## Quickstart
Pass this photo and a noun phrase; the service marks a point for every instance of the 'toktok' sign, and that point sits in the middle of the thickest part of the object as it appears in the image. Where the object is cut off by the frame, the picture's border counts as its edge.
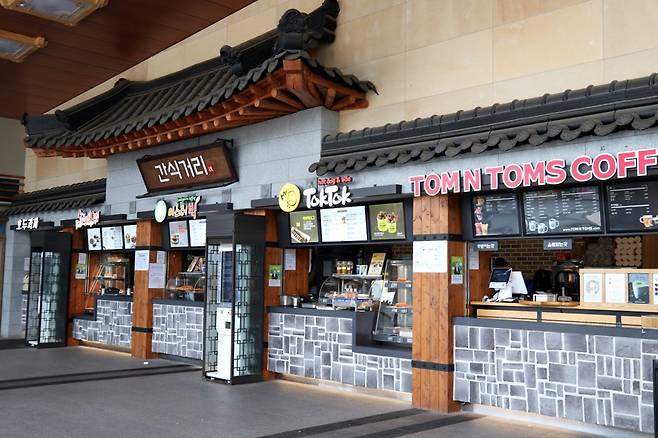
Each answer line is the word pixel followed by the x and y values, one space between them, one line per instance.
pixel 584 168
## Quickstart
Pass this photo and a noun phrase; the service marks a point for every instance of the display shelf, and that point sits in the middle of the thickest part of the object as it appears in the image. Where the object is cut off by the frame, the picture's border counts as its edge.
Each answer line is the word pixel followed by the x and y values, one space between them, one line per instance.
pixel 356 277
pixel 395 315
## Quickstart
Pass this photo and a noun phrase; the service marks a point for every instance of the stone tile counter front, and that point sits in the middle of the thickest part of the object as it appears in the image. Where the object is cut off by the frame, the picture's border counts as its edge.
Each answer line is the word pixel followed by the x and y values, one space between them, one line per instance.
pixel 178 328
pixel 594 374
pixel 320 344
pixel 111 323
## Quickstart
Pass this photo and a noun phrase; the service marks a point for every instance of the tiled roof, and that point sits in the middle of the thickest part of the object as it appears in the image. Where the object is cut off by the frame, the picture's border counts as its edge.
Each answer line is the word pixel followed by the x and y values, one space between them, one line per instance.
pixel 131 107
pixel 567 116
pixel 74 196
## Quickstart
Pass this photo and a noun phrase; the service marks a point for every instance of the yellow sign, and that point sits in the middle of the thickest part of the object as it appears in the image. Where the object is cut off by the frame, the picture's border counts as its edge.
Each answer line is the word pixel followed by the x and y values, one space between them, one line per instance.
pixel 289 197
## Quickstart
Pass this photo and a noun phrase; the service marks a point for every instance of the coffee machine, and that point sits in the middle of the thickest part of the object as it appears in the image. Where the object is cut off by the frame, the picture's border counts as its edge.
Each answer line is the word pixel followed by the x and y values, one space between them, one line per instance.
pixel 567 279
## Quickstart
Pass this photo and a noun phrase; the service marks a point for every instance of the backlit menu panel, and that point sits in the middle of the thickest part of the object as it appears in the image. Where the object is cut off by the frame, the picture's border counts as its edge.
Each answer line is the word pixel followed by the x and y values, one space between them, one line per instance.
pixel 568 211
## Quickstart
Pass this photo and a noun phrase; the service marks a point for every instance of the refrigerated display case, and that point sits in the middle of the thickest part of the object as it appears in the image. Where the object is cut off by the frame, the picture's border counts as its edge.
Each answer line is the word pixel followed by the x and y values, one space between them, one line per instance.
pixel 350 291
pixel 48 289
pixel 394 322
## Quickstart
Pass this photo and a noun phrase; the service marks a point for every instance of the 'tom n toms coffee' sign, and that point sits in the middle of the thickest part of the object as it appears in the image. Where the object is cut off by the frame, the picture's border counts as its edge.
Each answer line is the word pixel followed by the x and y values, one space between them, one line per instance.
pixel 206 165
pixel 584 168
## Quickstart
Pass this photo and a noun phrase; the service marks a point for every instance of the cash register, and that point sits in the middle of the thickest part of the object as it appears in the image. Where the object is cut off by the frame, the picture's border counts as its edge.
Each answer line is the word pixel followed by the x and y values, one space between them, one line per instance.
pixel 507 283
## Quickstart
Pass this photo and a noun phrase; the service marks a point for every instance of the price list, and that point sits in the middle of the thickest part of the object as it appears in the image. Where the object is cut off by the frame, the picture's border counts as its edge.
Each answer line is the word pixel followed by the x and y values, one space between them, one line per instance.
pixel 496 215
pixel 575 210
pixel 633 206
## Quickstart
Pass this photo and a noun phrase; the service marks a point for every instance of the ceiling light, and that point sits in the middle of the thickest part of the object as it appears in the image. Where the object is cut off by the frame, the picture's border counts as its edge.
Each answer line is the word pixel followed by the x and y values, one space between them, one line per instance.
pixel 16 47
pixel 68 12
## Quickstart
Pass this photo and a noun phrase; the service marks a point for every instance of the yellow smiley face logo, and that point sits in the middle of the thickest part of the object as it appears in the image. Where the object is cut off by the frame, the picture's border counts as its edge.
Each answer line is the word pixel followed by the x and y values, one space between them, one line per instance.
pixel 289 197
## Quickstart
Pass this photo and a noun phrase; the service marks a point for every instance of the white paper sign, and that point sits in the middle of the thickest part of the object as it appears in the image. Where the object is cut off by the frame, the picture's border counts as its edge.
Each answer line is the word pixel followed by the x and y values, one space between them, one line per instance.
pixel 82 258
pixel 142 260
pixel 473 257
pixel 290 259
pixel 593 284
pixel 430 256
pixel 156 276
pixel 26 264
pixel 615 287
pixel 161 258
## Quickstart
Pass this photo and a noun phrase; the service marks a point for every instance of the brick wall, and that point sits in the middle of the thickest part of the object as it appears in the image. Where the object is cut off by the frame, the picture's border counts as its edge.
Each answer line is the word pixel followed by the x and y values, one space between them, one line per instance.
pixel 526 256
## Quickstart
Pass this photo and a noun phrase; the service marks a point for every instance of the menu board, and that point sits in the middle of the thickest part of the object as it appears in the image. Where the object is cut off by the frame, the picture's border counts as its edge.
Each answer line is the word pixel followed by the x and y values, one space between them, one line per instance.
pixel 129 236
pixel 387 221
pixel 198 232
pixel 112 238
pixel 347 224
pixel 178 234
pixel 496 215
pixel 304 227
pixel 94 239
pixel 575 210
pixel 633 206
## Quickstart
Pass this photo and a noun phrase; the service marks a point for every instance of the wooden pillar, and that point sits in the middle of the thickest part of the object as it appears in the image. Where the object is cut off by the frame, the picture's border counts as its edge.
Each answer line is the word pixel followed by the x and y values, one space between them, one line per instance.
pixel 148 236
pixel 435 302
pixel 76 296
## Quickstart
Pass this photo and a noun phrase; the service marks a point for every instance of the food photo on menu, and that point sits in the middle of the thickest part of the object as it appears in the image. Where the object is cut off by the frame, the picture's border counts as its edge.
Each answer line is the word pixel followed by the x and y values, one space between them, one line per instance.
pixel 94 239
pixel 638 288
pixel 387 221
pixel 130 236
pixel 304 227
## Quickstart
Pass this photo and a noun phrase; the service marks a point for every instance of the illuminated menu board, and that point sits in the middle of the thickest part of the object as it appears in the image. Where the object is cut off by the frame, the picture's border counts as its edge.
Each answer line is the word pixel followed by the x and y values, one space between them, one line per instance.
pixel 198 232
pixel 346 224
pixel 568 211
pixel 304 226
pixel 496 215
pixel 178 234
pixel 112 238
pixel 633 206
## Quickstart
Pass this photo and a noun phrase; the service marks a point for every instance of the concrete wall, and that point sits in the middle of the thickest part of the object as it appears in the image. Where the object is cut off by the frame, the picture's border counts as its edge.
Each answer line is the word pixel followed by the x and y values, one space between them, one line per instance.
pixel 429 56
pixel 11 145
pixel 270 153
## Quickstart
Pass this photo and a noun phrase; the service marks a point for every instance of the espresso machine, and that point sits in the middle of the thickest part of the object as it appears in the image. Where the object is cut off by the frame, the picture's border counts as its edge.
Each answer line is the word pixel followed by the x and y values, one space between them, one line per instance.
pixel 566 280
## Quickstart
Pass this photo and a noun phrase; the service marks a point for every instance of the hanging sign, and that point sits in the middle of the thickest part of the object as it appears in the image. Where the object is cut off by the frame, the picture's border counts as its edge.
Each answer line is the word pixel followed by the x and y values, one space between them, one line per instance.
pixel 27 224
pixel 185 206
pixel 602 167
pixel 206 165
pixel 87 218
pixel 558 244
pixel 487 245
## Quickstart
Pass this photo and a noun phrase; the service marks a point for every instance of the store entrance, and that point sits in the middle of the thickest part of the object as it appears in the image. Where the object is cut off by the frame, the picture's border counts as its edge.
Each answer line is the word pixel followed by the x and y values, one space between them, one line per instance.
pixel 48 289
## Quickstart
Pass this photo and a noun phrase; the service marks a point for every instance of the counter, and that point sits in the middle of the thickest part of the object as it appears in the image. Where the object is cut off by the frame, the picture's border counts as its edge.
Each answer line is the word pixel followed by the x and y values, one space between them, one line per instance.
pixel 178 328
pixel 335 345
pixel 110 324
pixel 599 374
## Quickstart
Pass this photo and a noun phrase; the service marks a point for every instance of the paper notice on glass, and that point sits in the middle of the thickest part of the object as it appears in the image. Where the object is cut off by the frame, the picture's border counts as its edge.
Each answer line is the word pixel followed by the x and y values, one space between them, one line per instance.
pixel 615 287
pixel 473 257
pixel 142 260
pixel 82 258
pixel 430 256
pixel 26 264
pixel 290 259
pixel 161 257
pixel 156 276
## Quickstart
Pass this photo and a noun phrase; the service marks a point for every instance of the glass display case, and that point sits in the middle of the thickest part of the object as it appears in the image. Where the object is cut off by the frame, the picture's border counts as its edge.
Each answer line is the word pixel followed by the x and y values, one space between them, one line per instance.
pixel 350 291
pixel 112 276
pixel 395 317
pixel 189 286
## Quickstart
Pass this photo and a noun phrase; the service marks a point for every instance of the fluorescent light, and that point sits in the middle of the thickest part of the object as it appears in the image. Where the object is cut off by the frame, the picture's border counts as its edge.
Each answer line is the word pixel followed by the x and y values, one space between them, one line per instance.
pixel 68 12
pixel 16 47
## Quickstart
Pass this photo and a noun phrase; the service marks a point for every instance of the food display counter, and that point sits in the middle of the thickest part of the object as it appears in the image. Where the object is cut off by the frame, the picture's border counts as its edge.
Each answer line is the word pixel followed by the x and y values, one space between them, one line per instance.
pixel 335 345
pixel 109 324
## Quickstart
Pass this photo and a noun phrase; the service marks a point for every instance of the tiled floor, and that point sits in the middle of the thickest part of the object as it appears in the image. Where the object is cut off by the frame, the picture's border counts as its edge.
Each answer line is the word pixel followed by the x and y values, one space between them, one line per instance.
pixel 185 405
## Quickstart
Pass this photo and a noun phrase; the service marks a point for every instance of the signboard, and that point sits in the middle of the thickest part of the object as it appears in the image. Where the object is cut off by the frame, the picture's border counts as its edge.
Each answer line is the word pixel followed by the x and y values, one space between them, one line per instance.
pixel 289 197
pixel 327 196
pixel 487 245
pixel 112 238
pixel 94 239
pixel 601 167
pixel 558 244
pixel 207 165
pixel 185 206
pixel 304 227
pixel 387 221
pixel 87 218
pixel 633 206
pixel 27 224
pixel 197 232
pixel 344 224
pixel 178 234
pixel 496 215
pixel 129 236
pixel 574 210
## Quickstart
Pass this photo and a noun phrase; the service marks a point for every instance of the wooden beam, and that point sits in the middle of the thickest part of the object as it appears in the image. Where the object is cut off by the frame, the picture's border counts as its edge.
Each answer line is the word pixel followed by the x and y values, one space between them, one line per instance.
pixel 329 97
pixel 276 106
pixel 343 103
pixel 285 97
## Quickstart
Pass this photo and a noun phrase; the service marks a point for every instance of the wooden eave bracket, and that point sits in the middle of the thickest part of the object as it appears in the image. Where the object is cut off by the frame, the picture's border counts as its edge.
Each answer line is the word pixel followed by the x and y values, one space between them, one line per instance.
pixel 293 88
